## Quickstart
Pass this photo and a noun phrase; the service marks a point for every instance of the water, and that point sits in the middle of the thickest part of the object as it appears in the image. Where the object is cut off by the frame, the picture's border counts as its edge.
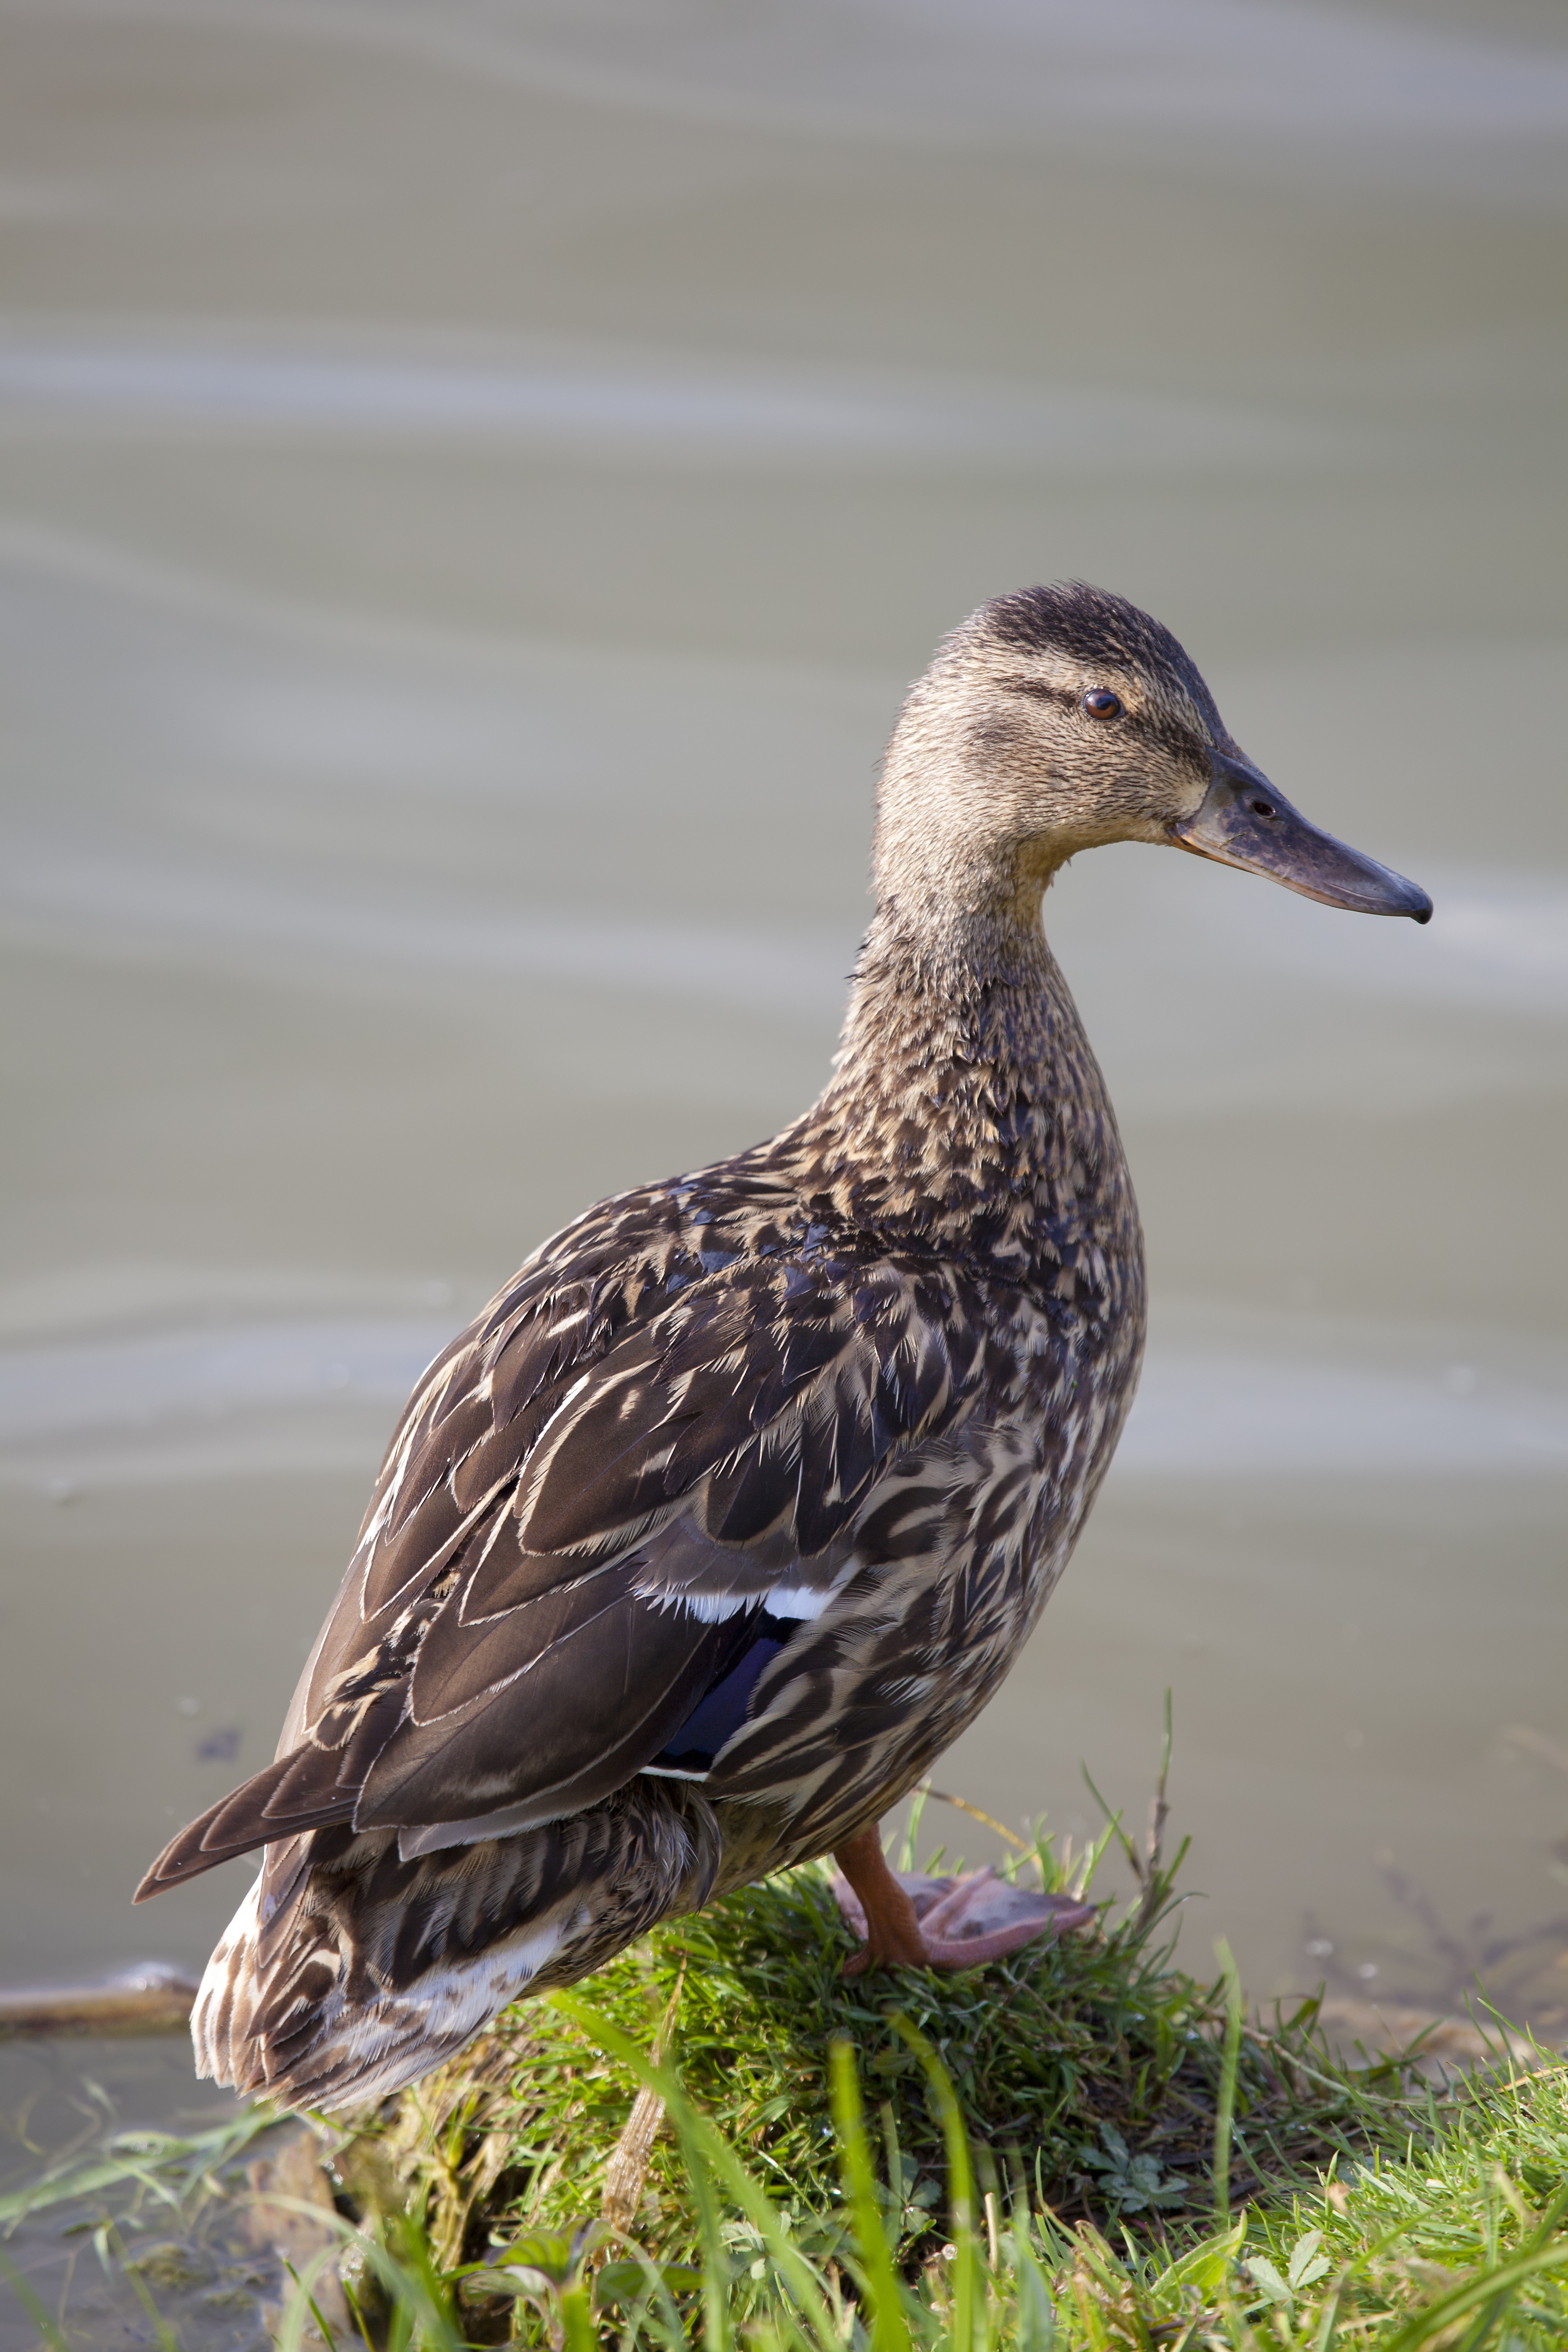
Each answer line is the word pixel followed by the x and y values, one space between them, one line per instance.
pixel 473 488
pixel 209 2263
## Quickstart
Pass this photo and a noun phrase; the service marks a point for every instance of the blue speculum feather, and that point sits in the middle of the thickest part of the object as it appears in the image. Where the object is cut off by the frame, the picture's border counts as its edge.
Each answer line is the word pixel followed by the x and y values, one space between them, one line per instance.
pixel 718 1715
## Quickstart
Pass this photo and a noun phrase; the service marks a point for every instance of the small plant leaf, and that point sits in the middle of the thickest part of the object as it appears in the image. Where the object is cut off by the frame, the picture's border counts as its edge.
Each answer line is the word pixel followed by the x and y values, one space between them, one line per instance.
pixel 625 2283
pixel 1267 2277
pixel 1307 2263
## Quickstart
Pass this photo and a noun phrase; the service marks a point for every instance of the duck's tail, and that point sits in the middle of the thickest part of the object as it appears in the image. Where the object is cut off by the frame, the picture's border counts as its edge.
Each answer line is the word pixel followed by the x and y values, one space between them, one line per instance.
pixel 347 1972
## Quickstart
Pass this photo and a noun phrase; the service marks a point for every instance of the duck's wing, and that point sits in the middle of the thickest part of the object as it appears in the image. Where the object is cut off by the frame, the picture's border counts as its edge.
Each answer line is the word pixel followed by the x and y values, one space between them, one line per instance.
pixel 604 1509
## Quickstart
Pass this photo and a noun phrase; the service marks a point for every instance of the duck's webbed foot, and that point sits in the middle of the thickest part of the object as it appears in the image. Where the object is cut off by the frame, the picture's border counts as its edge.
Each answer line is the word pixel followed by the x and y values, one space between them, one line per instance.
pixel 906 1920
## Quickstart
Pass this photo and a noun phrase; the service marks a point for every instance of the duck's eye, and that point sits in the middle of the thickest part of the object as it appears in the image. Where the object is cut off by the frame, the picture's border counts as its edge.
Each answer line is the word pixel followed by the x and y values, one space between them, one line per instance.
pixel 1100 703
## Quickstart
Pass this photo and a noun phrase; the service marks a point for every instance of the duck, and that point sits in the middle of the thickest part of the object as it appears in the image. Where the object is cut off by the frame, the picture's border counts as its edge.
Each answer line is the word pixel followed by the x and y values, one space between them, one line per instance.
pixel 733 1507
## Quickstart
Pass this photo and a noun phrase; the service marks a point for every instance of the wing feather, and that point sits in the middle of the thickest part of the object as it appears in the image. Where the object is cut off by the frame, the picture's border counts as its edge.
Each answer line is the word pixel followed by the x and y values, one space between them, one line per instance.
pixel 568 1730
pixel 585 1507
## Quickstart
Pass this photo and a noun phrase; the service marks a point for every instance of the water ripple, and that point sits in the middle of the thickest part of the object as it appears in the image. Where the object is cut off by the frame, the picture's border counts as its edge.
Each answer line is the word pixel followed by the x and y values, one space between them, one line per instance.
pixel 634 404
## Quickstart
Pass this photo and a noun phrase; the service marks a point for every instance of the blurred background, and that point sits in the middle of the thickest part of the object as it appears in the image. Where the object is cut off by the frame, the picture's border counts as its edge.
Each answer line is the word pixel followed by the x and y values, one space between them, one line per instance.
pixel 475 483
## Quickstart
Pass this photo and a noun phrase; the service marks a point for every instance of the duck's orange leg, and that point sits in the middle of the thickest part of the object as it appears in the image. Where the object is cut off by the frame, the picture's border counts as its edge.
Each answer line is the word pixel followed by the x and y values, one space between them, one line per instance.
pixel 893 1937
pixel 952 1933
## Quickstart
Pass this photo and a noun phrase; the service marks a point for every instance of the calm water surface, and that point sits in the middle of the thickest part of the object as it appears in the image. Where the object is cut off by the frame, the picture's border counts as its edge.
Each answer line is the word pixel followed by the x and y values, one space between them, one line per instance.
pixel 474 485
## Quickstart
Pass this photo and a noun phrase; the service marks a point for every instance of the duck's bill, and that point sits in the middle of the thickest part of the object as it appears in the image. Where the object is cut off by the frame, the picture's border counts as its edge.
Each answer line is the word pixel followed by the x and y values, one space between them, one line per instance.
pixel 1244 821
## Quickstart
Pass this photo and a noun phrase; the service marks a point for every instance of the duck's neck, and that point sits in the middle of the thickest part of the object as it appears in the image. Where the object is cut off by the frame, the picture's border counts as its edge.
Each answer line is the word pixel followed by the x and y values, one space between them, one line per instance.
pixel 967 1106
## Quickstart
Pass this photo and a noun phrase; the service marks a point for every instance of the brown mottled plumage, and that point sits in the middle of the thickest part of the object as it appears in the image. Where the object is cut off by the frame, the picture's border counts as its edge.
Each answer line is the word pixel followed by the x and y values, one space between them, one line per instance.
pixel 730 1511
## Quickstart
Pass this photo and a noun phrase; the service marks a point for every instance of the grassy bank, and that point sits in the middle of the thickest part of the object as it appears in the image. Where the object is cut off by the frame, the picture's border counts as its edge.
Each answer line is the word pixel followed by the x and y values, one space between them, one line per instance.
pixel 1461 2242
pixel 1083 2145
pixel 1088 2074
pixel 1083 2148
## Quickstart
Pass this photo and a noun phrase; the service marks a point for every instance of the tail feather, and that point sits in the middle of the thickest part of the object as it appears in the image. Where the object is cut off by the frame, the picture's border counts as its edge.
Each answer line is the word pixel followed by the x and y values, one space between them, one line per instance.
pixel 371 1970
pixel 279 1801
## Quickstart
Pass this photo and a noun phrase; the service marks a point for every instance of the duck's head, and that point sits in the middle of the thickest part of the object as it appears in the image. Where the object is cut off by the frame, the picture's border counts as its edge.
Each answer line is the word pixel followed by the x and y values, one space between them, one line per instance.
pixel 1061 718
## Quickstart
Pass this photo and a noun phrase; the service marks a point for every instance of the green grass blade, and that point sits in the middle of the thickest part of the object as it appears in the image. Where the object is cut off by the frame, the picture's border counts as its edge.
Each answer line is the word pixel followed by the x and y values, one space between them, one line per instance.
pixel 1546 2250
pixel 160 2327
pixel 137 2165
pixel 577 2320
pixel 301 2304
pixel 34 2306
pixel 1225 2108
pixel 966 2297
pixel 1503 2281
pixel 311 2305
pixel 708 2150
pixel 890 2329
pixel 421 2302
pixel 717 2329
pixel 1035 2326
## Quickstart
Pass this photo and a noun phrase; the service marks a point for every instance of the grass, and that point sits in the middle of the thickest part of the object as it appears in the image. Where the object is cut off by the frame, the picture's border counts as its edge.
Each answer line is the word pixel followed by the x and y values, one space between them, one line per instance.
pixel 152 2211
pixel 167 2169
pixel 1460 2242
pixel 1090 2073
pixel 1460 2245
pixel 1082 2149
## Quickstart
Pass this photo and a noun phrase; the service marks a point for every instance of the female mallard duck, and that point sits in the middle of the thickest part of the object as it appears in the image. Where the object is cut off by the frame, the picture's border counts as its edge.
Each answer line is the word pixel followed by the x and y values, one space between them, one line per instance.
pixel 693 1552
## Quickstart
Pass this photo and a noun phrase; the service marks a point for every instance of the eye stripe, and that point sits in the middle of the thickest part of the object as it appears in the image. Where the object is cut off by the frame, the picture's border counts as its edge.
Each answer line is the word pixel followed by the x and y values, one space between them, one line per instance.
pixel 1042 691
